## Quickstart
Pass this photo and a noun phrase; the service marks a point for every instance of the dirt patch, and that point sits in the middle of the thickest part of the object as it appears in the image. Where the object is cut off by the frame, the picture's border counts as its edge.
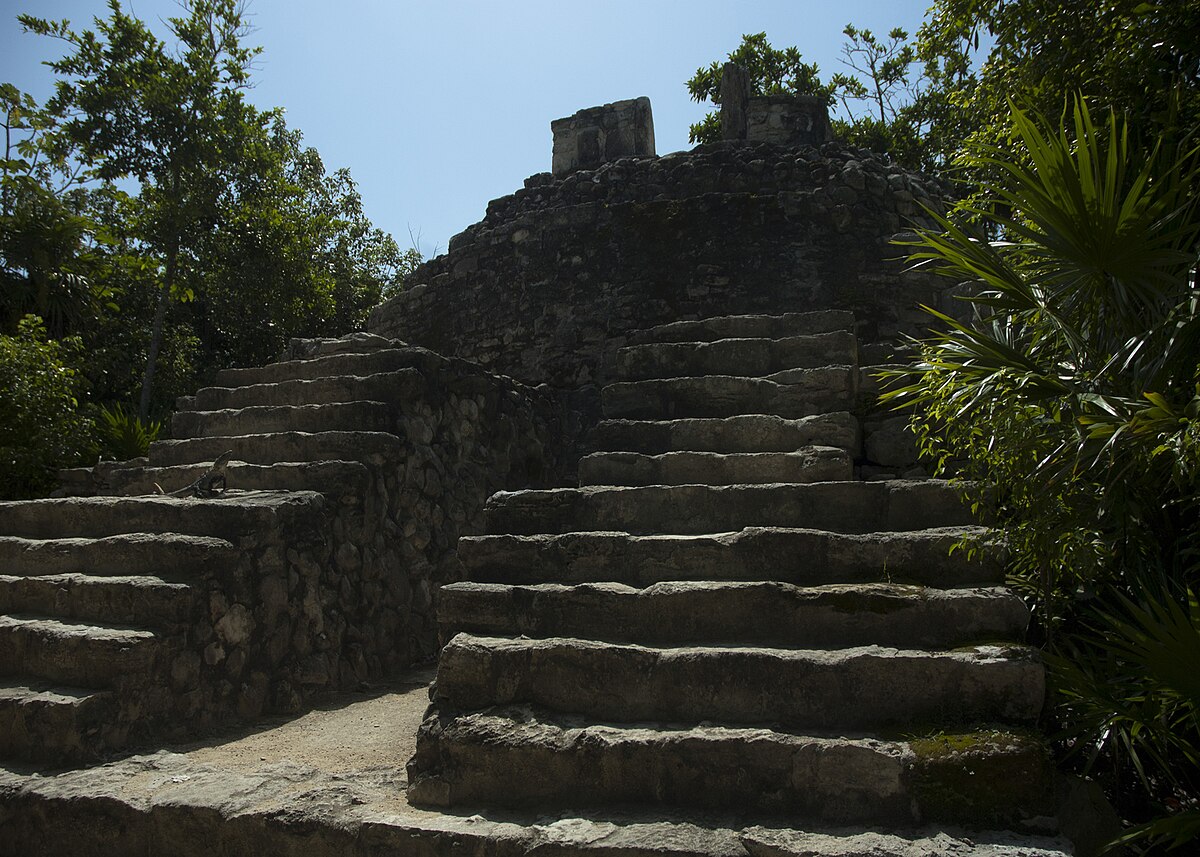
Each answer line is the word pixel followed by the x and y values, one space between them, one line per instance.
pixel 351 732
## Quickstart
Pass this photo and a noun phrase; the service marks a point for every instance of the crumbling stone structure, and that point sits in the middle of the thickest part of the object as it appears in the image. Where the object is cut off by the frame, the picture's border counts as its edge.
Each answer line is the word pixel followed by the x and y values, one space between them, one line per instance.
pixel 786 120
pixel 549 284
pixel 601 134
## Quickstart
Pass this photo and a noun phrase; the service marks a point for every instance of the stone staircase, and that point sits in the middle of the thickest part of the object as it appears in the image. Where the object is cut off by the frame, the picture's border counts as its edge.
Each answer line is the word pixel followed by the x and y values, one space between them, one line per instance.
pixel 131 616
pixel 105 615
pixel 722 617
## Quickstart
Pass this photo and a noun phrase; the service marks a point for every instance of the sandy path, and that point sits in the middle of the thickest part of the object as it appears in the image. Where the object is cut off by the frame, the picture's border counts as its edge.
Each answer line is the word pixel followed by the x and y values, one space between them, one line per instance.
pixel 352 732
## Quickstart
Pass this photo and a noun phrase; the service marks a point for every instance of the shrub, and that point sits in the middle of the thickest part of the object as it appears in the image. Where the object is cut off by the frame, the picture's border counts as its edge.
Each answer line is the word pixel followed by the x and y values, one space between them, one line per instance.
pixel 1071 403
pixel 41 426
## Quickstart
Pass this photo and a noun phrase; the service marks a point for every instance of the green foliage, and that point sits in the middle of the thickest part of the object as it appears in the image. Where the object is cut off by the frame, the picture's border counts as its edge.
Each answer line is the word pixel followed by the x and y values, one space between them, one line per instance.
pixel 1127 688
pixel 1071 407
pixel 174 121
pixel 41 426
pixel 885 66
pixel 174 227
pixel 121 436
pixel 45 267
pixel 772 72
pixel 1141 59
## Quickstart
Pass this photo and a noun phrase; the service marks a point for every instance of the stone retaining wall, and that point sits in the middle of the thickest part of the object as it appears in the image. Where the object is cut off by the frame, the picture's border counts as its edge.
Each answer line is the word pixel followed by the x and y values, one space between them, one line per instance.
pixel 329 610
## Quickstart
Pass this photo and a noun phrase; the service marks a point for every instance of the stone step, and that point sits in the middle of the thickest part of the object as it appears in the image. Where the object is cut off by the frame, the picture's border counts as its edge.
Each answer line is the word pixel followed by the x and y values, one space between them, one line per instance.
pixel 228 517
pixel 366 447
pixel 800 556
pixel 524 757
pixel 744 357
pixel 264 419
pixel 358 342
pixel 333 478
pixel 792 393
pixel 744 433
pixel 86 655
pixel 736 613
pixel 167 555
pixel 869 687
pixel 45 723
pixel 855 507
pixel 381 387
pixel 809 464
pixel 747 326
pixel 141 600
pixel 371 361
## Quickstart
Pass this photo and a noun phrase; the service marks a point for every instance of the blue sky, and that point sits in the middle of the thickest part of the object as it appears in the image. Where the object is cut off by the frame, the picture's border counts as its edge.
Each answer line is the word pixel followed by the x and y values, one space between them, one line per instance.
pixel 437 108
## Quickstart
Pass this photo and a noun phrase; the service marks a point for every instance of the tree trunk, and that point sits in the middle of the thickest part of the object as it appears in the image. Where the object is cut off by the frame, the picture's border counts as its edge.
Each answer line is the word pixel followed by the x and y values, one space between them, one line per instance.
pixel 160 315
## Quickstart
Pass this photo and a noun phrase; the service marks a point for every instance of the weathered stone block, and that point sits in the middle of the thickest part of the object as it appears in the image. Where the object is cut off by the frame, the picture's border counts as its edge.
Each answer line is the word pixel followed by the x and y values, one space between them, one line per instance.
pixel 735 98
pixel 788 120
pixel 598 135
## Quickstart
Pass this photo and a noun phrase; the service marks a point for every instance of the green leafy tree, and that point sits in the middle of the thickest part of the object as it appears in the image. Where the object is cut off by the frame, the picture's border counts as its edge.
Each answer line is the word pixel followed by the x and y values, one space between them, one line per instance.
pixel 299 234
pixel 169 119
pixel 1071 405
pixel 46 263
pixel 881 79
pixel 236 237
pixel 772 72
pixel 1139 58
pixel 42 426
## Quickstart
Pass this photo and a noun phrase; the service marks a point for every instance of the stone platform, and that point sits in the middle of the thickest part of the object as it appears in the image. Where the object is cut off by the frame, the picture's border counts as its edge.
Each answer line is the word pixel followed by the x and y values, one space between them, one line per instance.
pixel 332 782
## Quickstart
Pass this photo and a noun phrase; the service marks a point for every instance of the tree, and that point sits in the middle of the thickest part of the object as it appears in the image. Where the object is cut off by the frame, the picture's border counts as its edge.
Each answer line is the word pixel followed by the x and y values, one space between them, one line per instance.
pixel 300 235
pixel 45 265
pixel 1139 58
pixel 882 79
pixel 171 120
pixel 236 238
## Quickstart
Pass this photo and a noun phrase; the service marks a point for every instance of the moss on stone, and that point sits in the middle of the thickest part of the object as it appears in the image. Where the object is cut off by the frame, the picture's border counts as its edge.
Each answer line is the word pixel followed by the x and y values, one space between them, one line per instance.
pixel 981 778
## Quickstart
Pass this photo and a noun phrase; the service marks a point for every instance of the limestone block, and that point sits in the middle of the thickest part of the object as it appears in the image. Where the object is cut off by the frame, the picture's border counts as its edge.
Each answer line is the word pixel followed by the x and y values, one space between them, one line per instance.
pixel 598 135
pixel 788 120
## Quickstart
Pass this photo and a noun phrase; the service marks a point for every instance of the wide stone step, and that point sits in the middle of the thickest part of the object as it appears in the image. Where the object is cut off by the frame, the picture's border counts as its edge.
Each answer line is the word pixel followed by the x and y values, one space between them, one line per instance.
pixel 747 326
pixel 227 517
pixel 381 387
pixel 140 600
pixel 736 613
pixel 163 554
pixel 523 757
pixel 338 416
pixel 855 507
pixel 868 687
pixel 355 363
pixel 88 655
pixel 792 393
pixel 744 433
pixel 42 722
pixel 363 446
pixel 801 556
pixel 810 464
pixel 333 478
pixel 743 357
